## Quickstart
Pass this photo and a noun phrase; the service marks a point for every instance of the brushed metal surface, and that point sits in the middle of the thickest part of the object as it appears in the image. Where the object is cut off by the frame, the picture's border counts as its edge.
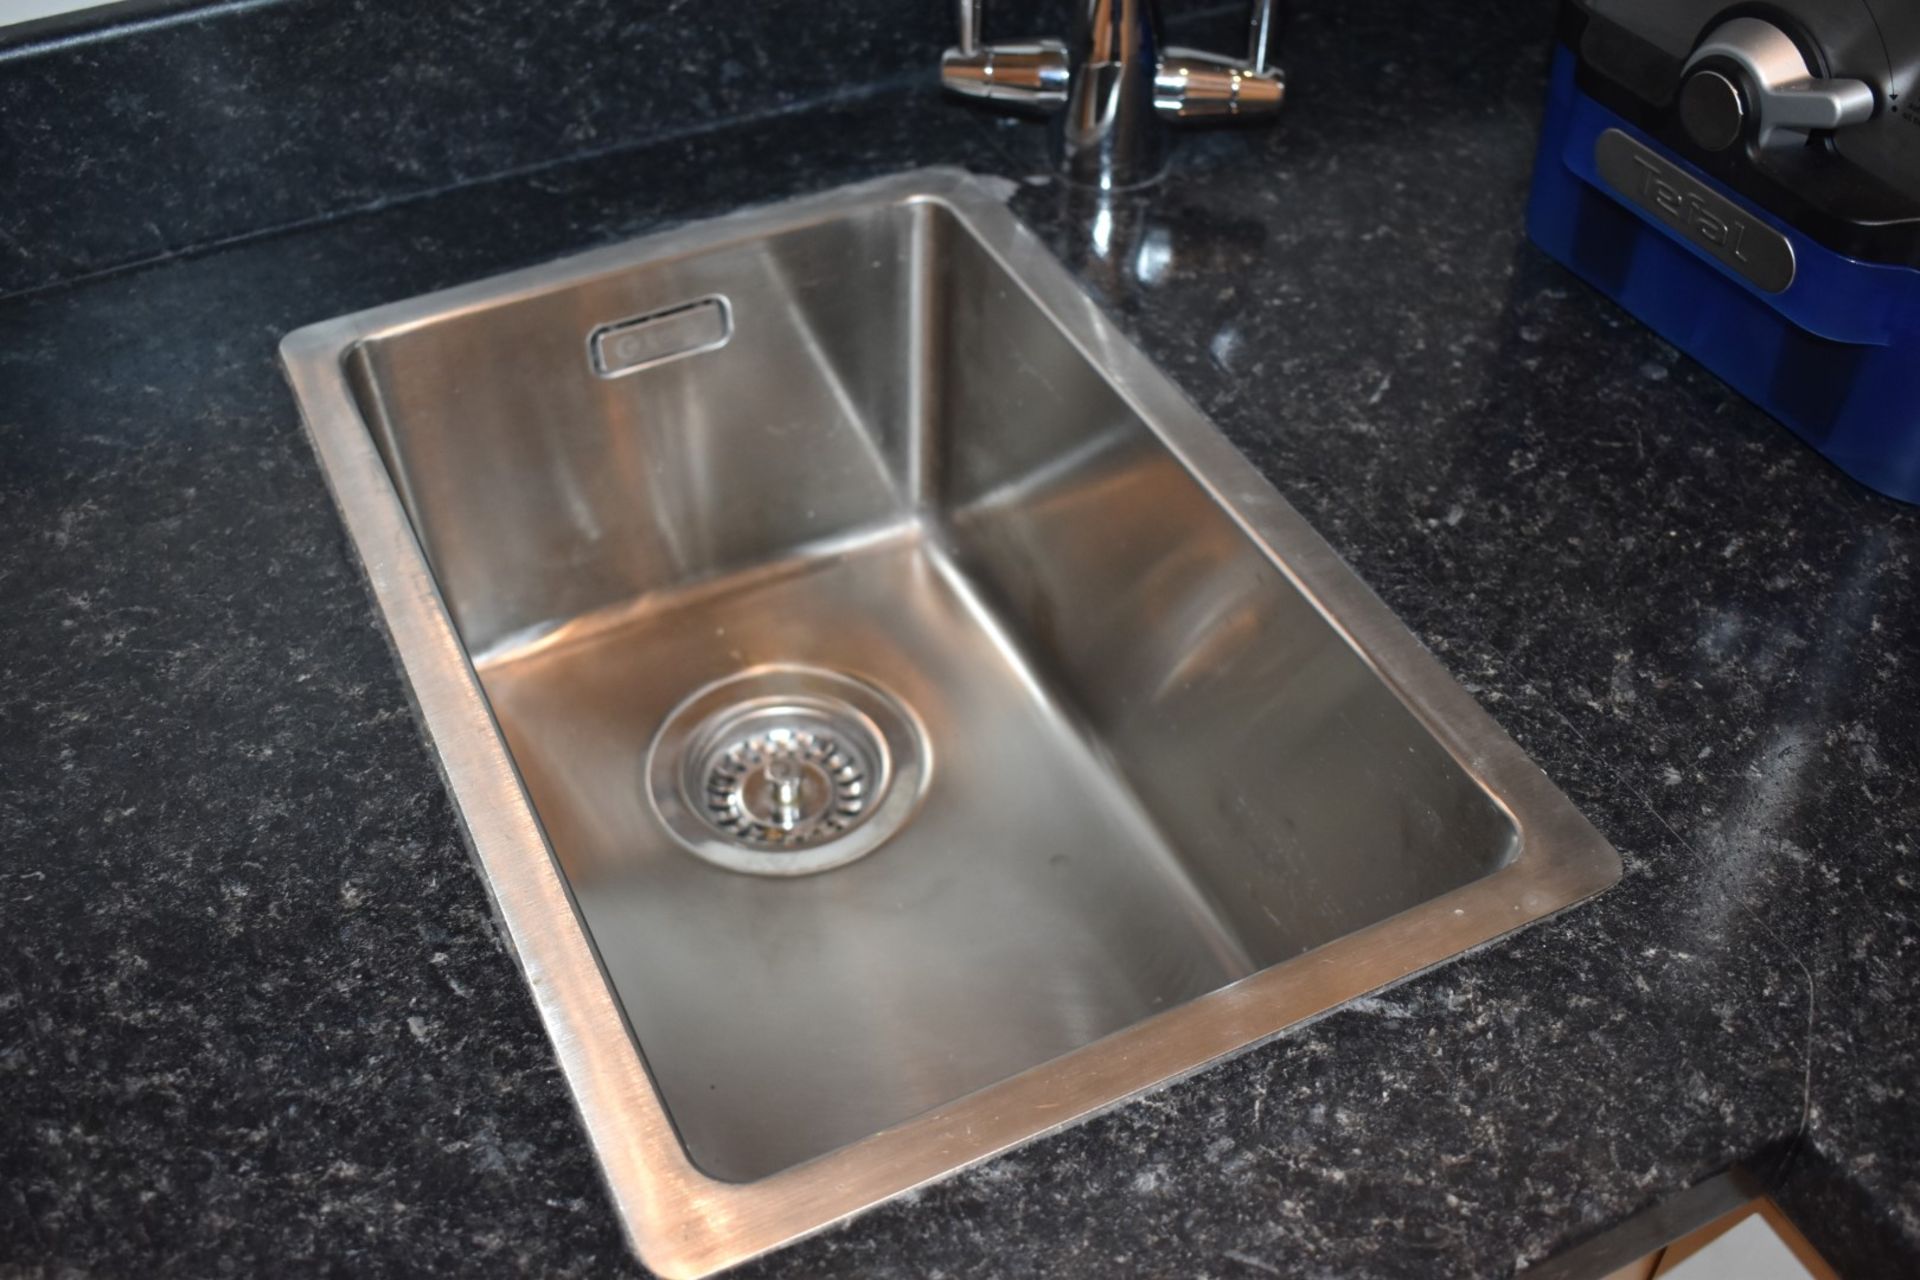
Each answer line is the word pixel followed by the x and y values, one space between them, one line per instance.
pixel 1186 780
pixel 645 341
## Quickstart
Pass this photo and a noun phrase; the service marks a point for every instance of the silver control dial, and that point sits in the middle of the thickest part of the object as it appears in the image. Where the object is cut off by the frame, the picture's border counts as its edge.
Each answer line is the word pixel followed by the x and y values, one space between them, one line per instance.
pixel 1780 93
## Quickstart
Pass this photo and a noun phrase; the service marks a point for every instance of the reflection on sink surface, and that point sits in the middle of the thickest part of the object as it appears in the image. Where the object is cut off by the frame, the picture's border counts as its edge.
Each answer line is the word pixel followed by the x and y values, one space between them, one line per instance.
pixel 939 732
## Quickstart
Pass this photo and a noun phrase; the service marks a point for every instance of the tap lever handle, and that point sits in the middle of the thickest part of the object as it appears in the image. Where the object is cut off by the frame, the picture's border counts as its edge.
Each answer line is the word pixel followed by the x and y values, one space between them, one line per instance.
pixel 969 28
pixel 1192 85
pixel 1028 75
pixel 1259 34
pixel 1115 98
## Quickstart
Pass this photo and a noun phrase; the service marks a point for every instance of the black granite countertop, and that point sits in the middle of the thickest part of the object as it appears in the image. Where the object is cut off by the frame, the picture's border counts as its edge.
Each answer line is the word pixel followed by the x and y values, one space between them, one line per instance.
pixel 254 1015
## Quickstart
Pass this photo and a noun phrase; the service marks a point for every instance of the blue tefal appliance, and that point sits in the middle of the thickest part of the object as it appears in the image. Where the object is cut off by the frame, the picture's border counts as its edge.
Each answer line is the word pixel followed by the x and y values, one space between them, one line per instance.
pixel 1745 179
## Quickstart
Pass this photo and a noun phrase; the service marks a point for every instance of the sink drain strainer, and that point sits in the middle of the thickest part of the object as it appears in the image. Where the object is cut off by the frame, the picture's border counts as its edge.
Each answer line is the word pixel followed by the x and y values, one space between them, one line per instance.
pixel 786 770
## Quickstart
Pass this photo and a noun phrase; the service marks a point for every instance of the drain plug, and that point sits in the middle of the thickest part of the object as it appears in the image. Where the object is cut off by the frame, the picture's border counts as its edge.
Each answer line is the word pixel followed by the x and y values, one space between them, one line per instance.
pixel 786 770
pixel 792 783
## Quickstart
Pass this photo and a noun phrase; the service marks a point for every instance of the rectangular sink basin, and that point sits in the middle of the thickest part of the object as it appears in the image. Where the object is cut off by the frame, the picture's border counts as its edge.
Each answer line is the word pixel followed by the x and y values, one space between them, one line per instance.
pixel 891 721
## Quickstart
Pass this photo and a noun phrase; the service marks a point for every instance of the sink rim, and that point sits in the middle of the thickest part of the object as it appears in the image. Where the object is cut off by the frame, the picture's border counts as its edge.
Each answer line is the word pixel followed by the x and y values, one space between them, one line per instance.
pixel 683 1222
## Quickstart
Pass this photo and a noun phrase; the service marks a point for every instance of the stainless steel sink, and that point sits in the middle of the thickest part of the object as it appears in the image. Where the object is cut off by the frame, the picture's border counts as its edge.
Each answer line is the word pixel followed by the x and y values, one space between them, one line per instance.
pixel 892 722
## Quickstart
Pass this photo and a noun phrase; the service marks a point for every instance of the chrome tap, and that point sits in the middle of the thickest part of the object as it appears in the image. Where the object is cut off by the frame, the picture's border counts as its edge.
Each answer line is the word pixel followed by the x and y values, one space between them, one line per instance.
pixel 1112 89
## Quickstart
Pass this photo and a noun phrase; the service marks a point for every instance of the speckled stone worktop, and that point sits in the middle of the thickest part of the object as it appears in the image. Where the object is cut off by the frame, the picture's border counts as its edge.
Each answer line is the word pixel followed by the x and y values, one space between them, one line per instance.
pixel 255 1018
